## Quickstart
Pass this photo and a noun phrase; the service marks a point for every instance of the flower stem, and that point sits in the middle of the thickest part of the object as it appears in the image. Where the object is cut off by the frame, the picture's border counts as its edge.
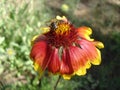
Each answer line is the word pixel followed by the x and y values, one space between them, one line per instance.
pixel 57 82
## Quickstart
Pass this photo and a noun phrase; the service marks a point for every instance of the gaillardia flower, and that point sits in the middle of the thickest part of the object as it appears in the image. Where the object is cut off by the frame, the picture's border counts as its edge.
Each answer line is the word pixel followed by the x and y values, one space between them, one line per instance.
pixel 65 49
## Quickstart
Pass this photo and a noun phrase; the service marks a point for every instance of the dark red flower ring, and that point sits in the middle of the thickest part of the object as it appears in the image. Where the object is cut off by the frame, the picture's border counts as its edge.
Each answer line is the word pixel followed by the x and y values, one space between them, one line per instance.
pixel 65 50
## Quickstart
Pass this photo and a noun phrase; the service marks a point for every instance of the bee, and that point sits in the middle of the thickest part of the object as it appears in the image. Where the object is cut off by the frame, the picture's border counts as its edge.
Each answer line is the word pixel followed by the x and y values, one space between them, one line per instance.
pixel 55 23
pixel 53 26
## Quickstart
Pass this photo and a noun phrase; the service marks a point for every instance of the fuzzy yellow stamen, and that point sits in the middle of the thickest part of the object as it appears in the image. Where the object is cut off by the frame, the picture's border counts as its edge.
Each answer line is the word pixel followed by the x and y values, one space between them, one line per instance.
pixel 62 29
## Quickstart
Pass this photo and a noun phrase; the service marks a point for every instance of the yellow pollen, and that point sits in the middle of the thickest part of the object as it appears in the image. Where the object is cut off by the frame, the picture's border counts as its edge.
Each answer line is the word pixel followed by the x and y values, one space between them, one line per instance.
pixel 62 29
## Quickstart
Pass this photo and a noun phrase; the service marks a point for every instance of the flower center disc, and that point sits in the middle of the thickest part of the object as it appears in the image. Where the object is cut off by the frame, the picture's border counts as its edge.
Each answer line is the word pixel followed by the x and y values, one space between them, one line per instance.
pixel 62 33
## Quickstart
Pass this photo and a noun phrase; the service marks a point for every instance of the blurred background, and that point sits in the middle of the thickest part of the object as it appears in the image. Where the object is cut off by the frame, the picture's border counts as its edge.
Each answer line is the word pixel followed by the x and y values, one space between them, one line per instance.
pixel 20 20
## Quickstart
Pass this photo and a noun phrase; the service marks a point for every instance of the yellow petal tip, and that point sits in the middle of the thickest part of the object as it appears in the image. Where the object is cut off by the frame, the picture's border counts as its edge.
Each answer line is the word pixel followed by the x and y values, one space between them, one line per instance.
pixel 97 61
pixel 100 45
pixel 38 69
pixel 33 39
pixel 61 18
pixel 81 71
pixel 89 30
pixel 45 29
pixel 88 65
pixel 67 77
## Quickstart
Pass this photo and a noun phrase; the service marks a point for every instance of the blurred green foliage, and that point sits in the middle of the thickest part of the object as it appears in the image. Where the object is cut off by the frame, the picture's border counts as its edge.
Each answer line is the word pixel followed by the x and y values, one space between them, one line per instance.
pixel 20 20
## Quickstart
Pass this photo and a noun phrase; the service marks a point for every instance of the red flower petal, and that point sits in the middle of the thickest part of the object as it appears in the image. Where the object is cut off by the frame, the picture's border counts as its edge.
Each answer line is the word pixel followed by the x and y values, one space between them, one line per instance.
pixel 54 65
pixel 39 50
pixel 91 51
pixel 40 54
pixel 66 67
pixel 77 57
pixel 79 60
